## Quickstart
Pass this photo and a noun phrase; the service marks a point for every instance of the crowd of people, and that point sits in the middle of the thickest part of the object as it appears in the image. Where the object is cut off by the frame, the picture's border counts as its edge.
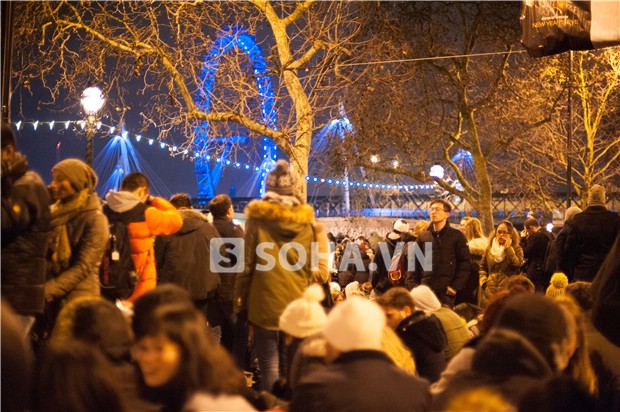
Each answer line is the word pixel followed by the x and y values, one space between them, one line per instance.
pixel 284 315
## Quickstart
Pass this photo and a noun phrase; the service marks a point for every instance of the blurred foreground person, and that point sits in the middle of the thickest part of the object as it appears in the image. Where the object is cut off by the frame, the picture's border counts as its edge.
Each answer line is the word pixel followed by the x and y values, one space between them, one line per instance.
pixel 16 363
pixel 533 340
pixel 422 333
pixel 75 377
pixel 25 231
pixel 360 376
pixel 182 368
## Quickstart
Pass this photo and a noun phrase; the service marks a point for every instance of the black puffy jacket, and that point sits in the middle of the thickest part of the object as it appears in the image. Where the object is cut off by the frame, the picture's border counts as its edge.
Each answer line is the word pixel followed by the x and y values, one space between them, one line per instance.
pixel 425 337
pixel 25 231
pixel 183 258
pixel 592 234
pixel 450 261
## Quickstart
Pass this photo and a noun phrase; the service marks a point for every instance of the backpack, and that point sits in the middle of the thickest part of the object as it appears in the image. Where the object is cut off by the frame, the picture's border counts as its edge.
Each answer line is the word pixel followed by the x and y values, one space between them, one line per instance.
pixel 117 273
pixel 396 271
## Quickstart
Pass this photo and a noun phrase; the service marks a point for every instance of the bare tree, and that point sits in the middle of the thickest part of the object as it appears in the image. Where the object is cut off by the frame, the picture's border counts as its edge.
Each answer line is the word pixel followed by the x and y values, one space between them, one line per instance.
pixel 149 57
pixel 541 170
pixel 423 110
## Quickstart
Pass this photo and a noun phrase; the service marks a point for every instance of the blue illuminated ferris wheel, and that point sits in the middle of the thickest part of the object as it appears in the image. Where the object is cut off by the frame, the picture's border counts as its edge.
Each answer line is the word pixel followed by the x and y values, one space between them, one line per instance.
pixel 207 169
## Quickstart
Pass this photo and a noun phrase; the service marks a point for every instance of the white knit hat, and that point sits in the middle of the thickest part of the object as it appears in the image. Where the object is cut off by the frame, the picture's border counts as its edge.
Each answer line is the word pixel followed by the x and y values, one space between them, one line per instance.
pixel 401 226
pixel 425 299
pixel 304 316
pixel 355 324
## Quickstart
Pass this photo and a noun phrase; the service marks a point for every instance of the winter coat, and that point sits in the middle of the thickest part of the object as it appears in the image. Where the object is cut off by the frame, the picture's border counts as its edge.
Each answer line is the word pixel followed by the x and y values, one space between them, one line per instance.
pixel 266 287
pixel 469 294
pixel 494 275
pixel 384 252
pixel 25 231
pixel 160 218
pixel 227 229
pixel 592 234
pixel 450 264
pixel 457 333
pixel 361 381
pixel 88 232
pixel 425 337
pixel 184 257
pixel 534 250
pixel 504 362
pixel 564 262
pixel 309 357
pixel 605 291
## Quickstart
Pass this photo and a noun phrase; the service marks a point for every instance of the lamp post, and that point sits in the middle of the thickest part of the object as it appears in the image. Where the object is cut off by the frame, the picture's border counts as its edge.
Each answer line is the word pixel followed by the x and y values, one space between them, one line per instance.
pixel 437 171
pixel 92 101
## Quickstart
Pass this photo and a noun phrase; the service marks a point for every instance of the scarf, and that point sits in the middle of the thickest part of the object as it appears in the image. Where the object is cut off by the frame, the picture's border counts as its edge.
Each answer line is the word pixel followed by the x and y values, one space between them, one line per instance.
pixel 59 244
pixel 498 251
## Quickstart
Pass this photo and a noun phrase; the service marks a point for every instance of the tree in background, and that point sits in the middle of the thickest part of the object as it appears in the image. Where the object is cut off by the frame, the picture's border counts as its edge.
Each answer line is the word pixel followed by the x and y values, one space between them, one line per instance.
pixel 148 56
pixel 422 112
pixel 539 163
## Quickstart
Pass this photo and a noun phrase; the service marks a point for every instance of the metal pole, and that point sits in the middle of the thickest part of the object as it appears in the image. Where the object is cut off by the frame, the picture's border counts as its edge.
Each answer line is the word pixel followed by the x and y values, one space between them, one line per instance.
pixel 90 143
pixel 569 142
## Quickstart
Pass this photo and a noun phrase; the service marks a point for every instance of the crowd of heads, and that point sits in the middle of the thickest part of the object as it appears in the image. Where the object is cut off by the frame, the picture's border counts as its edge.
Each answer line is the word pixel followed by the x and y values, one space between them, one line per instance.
pixel 159 353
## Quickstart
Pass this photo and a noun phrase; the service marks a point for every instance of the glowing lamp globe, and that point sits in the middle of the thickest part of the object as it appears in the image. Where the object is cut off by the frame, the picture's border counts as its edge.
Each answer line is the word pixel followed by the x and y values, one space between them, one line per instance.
pixel 437 171
pixel 92 100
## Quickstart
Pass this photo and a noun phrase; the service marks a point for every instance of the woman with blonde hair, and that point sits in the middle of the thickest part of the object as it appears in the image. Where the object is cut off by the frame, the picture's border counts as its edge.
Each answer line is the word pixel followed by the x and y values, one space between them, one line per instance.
pixel 579 366
pixel 477 243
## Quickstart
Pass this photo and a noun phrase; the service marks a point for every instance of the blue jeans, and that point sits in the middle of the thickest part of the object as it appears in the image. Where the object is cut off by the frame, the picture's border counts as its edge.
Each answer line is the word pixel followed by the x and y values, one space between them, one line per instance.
pixel 269 347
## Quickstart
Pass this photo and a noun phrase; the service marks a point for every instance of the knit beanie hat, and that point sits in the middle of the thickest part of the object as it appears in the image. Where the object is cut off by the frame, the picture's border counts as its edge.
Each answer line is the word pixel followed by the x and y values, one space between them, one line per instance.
pixel 570 213
pixel 80 175
pixel 304 316
pixel 537 318
pixel 355 324
pixel 424 299
pixel 596 196
pixel 558 285
pixel 401 226
pixel 280 180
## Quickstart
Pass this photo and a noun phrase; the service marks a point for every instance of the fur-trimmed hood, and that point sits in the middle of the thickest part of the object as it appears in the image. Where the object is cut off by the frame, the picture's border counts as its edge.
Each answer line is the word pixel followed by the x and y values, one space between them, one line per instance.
pixel 478 246
pixel 260 209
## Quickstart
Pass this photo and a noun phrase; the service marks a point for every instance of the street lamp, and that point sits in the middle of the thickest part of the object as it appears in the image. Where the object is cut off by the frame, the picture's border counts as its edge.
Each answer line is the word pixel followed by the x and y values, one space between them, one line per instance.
pixel 437 171
pixel 92 101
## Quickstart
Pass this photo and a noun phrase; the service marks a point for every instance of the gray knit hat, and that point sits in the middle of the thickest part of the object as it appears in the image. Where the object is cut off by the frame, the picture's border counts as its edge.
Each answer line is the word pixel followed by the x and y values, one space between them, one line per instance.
pixel 596 196
pixel 81 175
pixel 280 180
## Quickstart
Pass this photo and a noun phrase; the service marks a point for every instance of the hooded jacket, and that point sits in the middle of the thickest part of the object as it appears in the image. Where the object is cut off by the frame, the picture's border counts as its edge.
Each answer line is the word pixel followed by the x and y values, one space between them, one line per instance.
pixel 160 218
pixel 425 337
pixel 183 258
pixel 25 231
pixel 266 286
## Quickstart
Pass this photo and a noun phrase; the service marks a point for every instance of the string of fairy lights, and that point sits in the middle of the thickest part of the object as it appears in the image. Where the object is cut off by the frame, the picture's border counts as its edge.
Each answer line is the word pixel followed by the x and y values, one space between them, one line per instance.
pixel 174 151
